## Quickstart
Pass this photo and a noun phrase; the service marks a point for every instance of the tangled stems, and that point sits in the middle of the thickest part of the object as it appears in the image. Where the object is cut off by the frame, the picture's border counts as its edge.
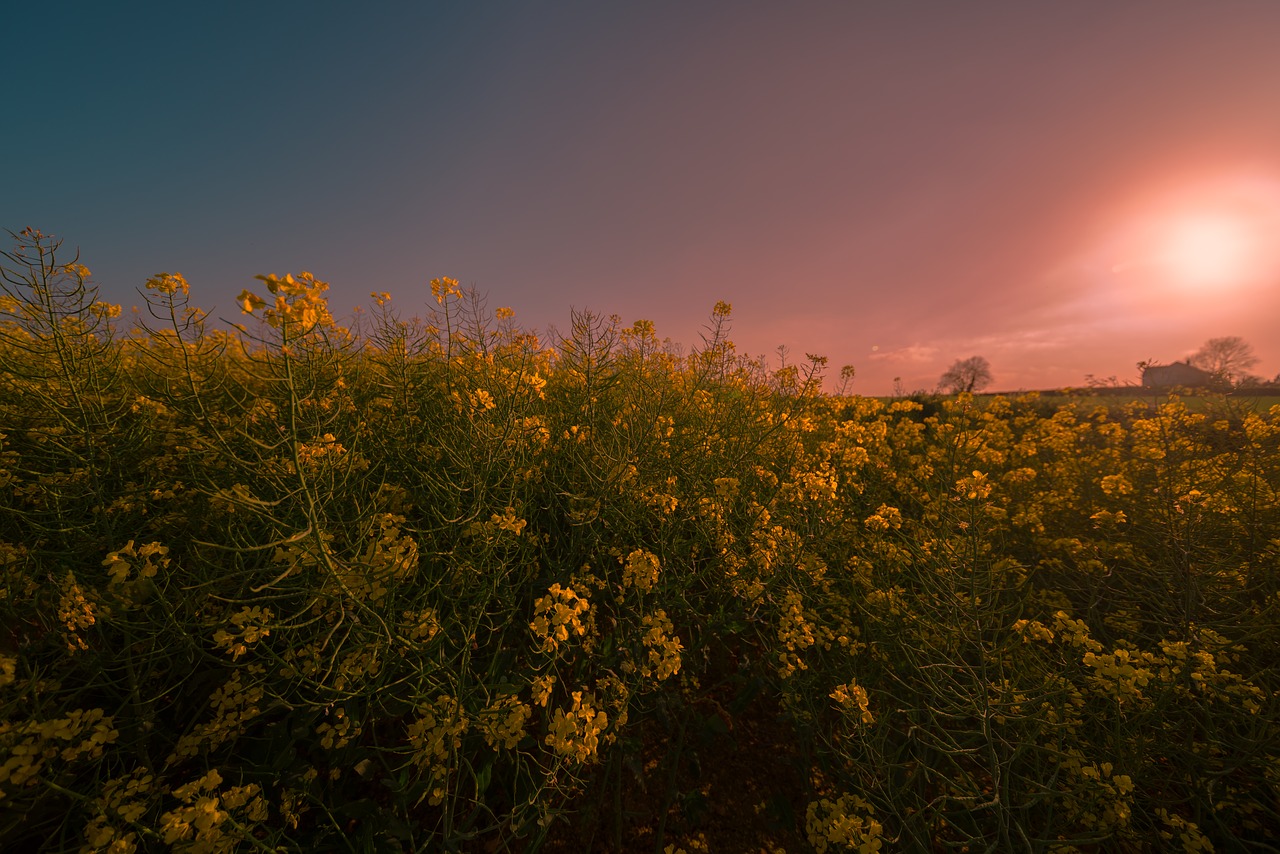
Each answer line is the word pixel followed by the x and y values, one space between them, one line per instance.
pixel 432 582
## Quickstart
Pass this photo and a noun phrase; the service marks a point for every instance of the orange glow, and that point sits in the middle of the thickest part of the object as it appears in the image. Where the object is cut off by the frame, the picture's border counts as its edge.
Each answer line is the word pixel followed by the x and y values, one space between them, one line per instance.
pixel 1210 250
pixel 1215 236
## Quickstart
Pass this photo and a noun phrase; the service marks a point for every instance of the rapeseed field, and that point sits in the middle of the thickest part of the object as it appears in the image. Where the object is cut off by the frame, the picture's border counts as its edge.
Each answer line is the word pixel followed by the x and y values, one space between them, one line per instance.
pixel 428 582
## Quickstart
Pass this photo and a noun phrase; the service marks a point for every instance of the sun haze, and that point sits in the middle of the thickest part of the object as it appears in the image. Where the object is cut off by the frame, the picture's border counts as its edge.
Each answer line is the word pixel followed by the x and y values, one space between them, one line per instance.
pixel 1209 250
pixel 1063 189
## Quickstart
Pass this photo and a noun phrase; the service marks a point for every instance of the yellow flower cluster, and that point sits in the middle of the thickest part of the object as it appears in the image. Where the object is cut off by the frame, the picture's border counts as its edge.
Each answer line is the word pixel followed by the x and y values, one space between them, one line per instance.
pixel 475 403
pixel 421 625
pixel 338 732
pixel 575 733
pixel 168 283
pixel 1202 668
pixel 663 502
pixel 852 700
pixel 390 557
pixel 503 722
pixel 204 824
pixel 75 613
pixel 1074 632
pixel 640 571
pixel 1121 674
pixel 885 518
pixel 124 799
pixel 816 484
pixel 1184 832
pixel 1106 518
pixel 698 843
pixel 435 737
pixel 508 521
pixel 529 430
pixel 845 824
pixel 249 623
pixel 727 488
pixel 558 617
pixel 1033 630
pixel 768 544
pixel 974 488
pixel 1100 798
pixel 234 704
pixel 105 310
pixel 663 646
pixel 26 746
pixel 149 406
pixel 885 602
pixel 795 633
pixel 325 452
pixel 443 288
pixel 1119 787
pixel 541 688
pixel 299 551
pixel 1116 484
pixel 299 302
pixel 353 667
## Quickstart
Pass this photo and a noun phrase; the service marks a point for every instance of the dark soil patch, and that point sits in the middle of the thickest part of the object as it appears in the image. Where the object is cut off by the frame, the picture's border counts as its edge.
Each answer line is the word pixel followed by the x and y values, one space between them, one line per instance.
pixel 739 785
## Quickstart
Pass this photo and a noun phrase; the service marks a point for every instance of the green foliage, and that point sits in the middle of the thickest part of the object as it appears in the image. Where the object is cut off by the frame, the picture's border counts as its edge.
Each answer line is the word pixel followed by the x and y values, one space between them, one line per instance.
pixel 432 583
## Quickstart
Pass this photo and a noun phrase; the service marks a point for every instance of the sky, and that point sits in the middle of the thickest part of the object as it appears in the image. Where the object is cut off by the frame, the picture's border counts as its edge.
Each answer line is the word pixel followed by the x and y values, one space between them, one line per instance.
pixel 1063 188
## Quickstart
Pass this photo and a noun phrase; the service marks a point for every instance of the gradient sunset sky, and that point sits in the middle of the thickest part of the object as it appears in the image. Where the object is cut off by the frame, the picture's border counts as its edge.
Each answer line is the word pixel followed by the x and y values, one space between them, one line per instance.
pixel 1065 188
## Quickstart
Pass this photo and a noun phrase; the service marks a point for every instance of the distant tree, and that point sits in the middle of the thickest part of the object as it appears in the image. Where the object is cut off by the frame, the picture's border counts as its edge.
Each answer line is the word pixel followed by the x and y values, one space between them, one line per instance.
pixel 1228 359
pixel 1250 381
pixel 971 374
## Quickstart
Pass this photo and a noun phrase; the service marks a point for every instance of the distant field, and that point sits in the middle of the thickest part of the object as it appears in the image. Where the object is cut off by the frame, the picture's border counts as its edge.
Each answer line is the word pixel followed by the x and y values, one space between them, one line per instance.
pixel 1196 401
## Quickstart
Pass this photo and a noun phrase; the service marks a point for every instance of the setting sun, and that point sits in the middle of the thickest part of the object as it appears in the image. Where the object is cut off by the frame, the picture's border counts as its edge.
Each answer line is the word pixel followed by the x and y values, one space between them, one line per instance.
pixel 1208 250
pixel 1202 239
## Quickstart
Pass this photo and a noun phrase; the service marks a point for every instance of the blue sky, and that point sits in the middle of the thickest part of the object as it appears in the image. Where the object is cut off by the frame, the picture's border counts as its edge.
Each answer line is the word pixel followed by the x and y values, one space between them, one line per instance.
pixel 1064 188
